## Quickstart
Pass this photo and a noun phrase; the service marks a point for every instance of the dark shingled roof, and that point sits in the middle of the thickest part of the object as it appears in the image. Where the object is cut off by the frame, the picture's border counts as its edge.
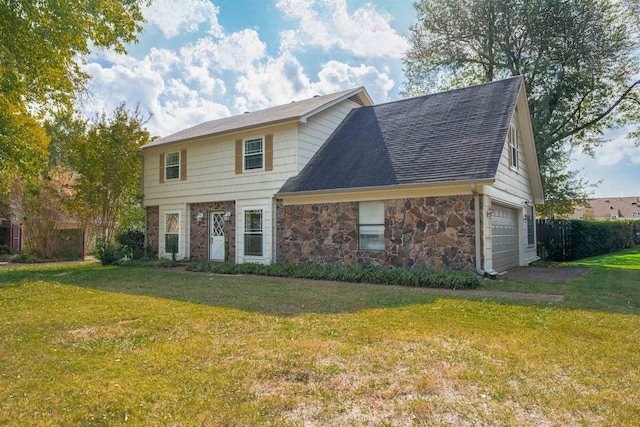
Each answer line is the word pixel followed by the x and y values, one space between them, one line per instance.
pixel 444 137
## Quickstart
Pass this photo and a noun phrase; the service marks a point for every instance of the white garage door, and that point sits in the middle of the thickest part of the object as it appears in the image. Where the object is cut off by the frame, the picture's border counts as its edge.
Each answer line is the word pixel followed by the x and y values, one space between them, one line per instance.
pixel 504 227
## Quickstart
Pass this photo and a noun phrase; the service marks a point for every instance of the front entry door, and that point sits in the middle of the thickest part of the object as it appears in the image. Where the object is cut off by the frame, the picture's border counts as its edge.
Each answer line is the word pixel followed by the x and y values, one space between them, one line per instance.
pixel 216 236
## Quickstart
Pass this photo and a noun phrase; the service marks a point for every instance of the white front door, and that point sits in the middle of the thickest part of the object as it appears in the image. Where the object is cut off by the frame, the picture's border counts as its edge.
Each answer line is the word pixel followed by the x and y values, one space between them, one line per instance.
pixel 216 236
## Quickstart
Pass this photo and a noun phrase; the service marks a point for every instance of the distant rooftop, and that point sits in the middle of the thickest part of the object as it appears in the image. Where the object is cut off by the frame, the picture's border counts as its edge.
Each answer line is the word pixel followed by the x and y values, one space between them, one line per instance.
pixel 609 208
pixel 297 110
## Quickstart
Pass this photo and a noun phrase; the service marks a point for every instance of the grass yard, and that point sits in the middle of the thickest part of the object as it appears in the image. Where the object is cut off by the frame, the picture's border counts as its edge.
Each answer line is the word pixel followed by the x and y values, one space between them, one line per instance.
pixel 88 345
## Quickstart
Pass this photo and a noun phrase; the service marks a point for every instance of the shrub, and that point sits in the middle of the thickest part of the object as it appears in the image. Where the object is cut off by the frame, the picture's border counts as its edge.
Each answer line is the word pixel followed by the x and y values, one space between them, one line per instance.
pixel 4 249
pixel 368 274
pixel 132 240
pixel 108 253
pixel 24 258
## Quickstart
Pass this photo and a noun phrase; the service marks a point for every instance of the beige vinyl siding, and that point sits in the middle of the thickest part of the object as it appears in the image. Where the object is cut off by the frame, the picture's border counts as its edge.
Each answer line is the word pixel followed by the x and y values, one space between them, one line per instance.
pixel 211 170
pixel 514 181
pixel 318 128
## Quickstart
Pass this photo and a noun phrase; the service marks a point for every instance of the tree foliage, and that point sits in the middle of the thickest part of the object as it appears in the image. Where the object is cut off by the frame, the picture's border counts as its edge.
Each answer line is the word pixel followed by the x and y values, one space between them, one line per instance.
pixel 42 47
pixel 576 56
pixel 107 169
pixel 42 208
pixel 23 143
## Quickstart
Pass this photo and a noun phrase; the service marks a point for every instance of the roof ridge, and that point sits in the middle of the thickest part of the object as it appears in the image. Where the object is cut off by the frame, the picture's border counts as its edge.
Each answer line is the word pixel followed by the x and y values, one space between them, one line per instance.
pixel 426 95
pixel 277 113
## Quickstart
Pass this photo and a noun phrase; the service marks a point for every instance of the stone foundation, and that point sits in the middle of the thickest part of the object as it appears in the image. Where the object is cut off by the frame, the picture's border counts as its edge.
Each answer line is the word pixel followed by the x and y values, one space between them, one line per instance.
pixel 199 237
pixel 426 232
pixel 152 234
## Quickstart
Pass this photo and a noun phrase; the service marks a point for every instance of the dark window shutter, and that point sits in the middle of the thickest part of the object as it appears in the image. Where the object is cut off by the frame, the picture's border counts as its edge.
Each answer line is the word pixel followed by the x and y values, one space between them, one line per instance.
pixel 183 164
pixel 268 152
pixel 238 155
pixel 161 168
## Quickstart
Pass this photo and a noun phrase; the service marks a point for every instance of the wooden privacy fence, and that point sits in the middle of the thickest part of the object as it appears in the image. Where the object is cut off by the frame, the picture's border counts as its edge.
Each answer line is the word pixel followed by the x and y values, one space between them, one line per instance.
pixel 551 235
pixel 69 243
pixel 570 240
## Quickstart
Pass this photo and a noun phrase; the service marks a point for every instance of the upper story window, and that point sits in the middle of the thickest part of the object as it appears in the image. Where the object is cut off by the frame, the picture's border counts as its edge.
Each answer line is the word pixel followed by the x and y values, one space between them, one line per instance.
pixel 172 165
pixel 513 147
pixel 371 226
pixel 253 154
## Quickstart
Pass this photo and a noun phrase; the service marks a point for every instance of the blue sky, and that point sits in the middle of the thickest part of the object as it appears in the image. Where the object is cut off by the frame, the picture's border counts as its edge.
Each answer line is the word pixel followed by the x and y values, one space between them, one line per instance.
pixel 199 60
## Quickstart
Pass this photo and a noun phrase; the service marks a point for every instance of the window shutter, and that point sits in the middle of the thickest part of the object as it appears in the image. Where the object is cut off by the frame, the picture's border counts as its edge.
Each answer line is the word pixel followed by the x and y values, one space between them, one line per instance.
pixel 161 168
pixel 238 155
pixel 183 164
pixel 268 152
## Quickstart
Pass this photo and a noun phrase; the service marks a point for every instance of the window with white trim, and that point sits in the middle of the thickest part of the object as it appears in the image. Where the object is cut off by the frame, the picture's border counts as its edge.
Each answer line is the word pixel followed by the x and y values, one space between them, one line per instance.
pixel 172 166
pixel 253 154
pixel 531 236
pixel 513 147
pixel 171 233
pixel 253 232
pixel 371 226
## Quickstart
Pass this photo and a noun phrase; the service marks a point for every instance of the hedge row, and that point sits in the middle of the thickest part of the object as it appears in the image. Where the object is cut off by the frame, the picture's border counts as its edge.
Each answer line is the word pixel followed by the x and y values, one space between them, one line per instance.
pixel 383 276
pixel 571 240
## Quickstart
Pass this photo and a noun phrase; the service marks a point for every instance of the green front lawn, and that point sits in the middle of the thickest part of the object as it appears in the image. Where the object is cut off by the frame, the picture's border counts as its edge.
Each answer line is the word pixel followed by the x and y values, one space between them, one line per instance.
pixel 88 345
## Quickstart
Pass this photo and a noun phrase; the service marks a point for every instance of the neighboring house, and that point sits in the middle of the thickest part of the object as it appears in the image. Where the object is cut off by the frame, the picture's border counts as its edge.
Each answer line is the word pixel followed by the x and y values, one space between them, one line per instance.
pixel 441 181
pixel 609 208
pixel 10 230
pixel 209 190
pixel 444 181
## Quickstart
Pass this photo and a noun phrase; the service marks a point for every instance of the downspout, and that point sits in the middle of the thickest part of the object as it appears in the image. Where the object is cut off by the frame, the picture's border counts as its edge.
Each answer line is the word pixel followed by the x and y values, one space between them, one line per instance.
pixel 476 205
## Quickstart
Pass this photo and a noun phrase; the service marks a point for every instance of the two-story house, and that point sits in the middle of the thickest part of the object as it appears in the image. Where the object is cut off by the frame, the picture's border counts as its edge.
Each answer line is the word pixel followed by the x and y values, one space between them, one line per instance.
pixel 445 181
pixel 209 190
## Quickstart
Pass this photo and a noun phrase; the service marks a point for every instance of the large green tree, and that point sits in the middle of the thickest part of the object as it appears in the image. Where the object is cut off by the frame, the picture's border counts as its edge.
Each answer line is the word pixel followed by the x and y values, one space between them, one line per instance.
pixel 107 169
pixel 42 46
pixel 577 58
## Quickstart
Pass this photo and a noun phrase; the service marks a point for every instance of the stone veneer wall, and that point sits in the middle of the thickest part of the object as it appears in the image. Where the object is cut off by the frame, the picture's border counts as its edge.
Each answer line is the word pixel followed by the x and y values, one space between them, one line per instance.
pixel 424 232
pixel 152 234
pixel 199 247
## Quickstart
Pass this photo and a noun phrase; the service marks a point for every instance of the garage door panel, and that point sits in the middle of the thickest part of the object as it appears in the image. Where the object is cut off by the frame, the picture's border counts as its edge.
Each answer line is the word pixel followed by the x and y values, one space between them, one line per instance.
pixel 504 228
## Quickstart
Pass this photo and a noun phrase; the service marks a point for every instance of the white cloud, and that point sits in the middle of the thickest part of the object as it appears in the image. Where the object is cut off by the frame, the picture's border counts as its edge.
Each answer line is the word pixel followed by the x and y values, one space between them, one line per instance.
pixel 174 17
pixel 203 77
pixel 172 103
pixel 617 150
pixel 123 82
pixel 236 52
pixel 366 33
pixel 279 81
pixel 336 76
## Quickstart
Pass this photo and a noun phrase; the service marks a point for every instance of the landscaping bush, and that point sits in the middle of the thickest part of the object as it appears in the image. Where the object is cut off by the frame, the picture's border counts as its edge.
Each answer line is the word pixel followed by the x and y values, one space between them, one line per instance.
pixel 369 274
pixel 4 249
pixel 108 253
pixel 132 240
pixel 24 258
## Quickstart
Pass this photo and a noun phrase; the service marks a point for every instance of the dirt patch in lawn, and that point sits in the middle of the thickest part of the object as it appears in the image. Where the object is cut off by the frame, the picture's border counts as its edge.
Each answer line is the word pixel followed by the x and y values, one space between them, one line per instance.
pixel 546 274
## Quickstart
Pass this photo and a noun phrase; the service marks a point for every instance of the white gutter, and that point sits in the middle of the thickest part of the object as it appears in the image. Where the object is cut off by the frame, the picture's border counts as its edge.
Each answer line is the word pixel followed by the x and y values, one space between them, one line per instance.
pixel 451 183
pixel 476 205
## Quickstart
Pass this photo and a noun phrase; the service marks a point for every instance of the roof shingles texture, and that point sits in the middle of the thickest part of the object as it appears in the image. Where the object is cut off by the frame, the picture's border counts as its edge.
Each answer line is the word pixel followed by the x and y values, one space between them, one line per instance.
pixel 445 137
pixel 293 110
